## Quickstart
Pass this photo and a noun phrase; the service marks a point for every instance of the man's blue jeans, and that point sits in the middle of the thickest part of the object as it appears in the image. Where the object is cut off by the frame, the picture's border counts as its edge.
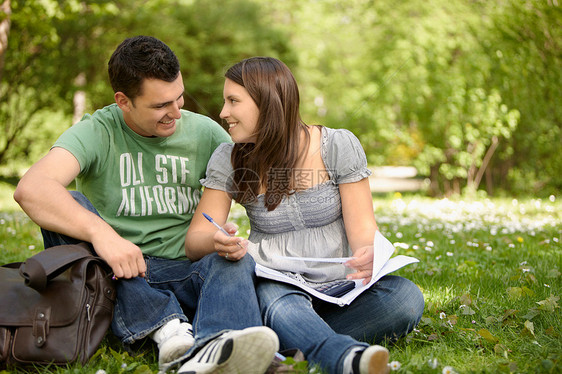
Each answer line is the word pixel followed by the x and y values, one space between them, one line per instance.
pixel 219 294
pixel 326 332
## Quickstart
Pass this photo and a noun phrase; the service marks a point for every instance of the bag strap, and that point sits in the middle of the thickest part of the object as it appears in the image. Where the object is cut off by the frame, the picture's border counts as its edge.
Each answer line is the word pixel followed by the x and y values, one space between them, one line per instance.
pixel 45 265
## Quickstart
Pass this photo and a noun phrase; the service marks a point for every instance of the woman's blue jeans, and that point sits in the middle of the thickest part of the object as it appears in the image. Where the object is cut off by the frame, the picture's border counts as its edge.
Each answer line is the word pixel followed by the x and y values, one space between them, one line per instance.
pixel 219 294
pixel 326 332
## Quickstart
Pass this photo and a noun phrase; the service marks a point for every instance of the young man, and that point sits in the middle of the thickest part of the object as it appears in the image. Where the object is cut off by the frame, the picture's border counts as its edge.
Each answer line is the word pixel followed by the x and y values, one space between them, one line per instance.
pixel 137 164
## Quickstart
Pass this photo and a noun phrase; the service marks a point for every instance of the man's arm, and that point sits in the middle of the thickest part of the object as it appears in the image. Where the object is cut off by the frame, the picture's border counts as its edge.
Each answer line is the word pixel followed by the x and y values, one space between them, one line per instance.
pixel 42 194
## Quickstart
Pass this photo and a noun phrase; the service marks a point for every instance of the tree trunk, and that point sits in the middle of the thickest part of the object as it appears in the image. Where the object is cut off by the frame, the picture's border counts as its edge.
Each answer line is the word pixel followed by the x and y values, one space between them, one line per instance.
pixel 5 12
pixel 489 182
pixel 486 161
pixel 79 99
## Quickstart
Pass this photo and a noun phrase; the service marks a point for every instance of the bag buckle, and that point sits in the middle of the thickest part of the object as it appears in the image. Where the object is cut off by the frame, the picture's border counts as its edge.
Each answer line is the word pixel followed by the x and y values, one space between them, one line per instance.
pixel 41 325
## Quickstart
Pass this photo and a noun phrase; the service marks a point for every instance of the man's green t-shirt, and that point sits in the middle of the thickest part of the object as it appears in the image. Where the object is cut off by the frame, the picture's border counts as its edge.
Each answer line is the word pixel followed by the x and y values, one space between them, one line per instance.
pixel 147 189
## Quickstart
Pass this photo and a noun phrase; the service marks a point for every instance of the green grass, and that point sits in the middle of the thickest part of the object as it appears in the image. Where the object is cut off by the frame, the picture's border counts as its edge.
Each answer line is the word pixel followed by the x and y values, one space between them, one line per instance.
pixel 489 271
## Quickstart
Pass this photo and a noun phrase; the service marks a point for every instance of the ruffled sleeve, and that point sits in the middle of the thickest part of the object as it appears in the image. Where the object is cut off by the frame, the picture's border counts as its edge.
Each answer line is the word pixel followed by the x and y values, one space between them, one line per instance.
pixel 344 156
pixel 219 169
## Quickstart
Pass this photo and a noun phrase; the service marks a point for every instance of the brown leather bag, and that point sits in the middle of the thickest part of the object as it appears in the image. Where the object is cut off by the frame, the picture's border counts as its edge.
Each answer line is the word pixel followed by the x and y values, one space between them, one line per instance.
pixel 55 308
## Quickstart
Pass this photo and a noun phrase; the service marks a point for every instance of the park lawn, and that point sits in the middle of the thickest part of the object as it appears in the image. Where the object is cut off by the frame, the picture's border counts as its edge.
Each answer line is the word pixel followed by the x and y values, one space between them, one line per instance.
pixel 490 272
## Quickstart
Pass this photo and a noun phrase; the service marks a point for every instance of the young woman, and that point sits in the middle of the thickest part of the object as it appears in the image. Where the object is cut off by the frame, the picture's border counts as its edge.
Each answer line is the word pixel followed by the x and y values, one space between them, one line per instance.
pixel 306 193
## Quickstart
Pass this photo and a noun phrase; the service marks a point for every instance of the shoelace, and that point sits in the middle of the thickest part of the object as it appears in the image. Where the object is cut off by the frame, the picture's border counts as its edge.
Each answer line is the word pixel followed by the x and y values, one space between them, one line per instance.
pixel 185 328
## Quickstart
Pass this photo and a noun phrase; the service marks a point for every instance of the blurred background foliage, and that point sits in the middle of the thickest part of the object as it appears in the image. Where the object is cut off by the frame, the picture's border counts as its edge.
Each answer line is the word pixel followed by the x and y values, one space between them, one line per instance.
pixel 467 91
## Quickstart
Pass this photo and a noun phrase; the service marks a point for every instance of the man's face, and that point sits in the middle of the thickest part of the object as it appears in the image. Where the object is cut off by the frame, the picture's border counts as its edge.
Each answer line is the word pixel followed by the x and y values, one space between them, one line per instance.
pixel 155 111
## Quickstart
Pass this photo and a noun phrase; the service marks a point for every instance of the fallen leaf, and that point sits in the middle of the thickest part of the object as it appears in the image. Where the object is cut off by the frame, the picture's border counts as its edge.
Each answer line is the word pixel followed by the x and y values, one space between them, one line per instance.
pixel 465 299
pixel 551 332
pixel 549 304
pixel 528 329
pixel 509 313
pixel 514 293
pixel 501 350
pixel 532 313
pixel 466 310
pixel 553 273
pixel 487 335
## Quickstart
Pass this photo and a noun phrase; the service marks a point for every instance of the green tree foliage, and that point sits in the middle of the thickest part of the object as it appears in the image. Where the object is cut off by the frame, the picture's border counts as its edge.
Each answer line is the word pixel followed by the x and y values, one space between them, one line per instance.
pixel 466 91
pixel 442 85
pixel 57 48
pixel 524 45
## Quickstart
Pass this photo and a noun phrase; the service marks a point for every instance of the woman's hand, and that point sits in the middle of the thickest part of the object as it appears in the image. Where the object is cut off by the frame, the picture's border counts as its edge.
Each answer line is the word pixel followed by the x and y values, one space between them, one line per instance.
pixel 362 262
pixel 232 248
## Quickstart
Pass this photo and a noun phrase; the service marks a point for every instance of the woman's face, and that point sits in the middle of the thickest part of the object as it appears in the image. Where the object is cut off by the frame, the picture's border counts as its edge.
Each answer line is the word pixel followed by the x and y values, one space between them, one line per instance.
pixel 240 112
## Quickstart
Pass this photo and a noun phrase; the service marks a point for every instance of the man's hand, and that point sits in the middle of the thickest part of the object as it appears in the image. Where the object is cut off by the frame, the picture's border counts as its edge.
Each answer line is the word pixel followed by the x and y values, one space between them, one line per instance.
pixel 124 257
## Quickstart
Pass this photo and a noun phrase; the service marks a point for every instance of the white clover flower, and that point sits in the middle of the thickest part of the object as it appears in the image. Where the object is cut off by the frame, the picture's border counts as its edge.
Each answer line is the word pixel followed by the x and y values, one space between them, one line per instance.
pixel 448 370
pixel 430 243
pixel 415 246
pixel 101 371
pixel 488 248
pixel 511 245
pixel 399 235
pixel 433 363
pixel 555 240
pixel 552 198
pixel 452 241
pixel 450 254
pixel 442 315
pixel 395 365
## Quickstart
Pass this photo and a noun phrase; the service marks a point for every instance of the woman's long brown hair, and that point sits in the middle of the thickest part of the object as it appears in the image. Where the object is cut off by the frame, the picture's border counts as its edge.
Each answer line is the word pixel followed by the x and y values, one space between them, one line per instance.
pixel 271 160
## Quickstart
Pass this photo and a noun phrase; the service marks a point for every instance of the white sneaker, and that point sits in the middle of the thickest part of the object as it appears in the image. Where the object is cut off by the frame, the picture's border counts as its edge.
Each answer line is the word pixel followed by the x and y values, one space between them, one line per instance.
pixel 173 339
pixel 374 360
pixel 247 351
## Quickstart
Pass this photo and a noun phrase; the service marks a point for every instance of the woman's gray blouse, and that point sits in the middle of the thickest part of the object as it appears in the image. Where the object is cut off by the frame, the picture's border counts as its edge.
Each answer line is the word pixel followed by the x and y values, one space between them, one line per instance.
pixel 307 223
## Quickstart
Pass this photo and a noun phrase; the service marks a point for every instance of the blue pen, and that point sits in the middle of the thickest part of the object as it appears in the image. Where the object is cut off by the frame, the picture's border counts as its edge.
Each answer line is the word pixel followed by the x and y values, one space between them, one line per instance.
pixel 219 227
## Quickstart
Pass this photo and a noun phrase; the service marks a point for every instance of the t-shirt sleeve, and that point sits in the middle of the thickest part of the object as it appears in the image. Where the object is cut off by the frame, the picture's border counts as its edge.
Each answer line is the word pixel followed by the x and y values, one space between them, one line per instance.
pixel 345 157
pixel 219 135
pixel 219 169
pixel 87 142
